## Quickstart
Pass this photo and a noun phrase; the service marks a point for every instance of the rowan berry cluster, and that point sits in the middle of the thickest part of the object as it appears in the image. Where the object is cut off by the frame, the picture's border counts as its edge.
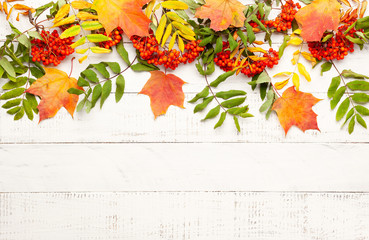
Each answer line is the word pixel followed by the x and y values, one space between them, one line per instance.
pixel 52 49
pixel 337 47
pixel 285 18
pixel 251 67
pixel 116 37
pixel 150 51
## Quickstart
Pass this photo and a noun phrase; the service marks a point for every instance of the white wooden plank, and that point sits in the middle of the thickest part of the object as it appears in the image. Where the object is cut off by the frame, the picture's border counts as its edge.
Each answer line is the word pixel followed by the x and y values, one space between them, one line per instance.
pixel 184 167
pixel 196 215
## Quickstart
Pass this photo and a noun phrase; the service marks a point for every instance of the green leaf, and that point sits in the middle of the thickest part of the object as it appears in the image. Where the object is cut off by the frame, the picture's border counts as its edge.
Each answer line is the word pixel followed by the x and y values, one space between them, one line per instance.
pixel 114 67
pixel 75 91
pixel 5 64
pixel 12 94
pixel 96 38
pixel 242 36
pixel 221 78
pixel 233 102
pixel 204 93
pixel 106 90
pixel 360 97
pixel 325 67
pixel 219 45
pixel 12 103
pixel 19 114
pixel 81 104
pixel 28 109
pixel 261 25
pixel 361 121
pixel 250 33
pixel 91 25
pixel 238 110
pixel 14 110
pixel 206 41
pixel 266 105
pixel 35 34
pixel 283 46
pixel 82 82
pixel 20 82
pixel 350 74
pixel 120 82
pixel 221 120
pixel 348 116
pixel 1 72
pixel 72 31
pixel 342 109
pixel 362 23
pixel 138 67
pixel 212 113
pixel 200 69
pixel 123 53
pixel 232 43
pixel 362 110
pixel 236 123
pixel 334 85
pixel 229 94
pixel 337 97
pixel 23 39
pixel 263 78
pixel 32 101
pixel 351 125
pixel 201 106
pixel 90 75
pixel 101 68
pixel 36 72
pixel 246 115
pixel 96 93
pixel 358 85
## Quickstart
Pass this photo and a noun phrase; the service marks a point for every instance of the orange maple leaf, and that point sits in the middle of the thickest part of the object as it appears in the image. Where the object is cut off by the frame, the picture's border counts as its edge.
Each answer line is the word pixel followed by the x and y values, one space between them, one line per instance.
pixel 164 90
pixel 53 90
pixel 222 13
pixel 317 17
pixel 126 14
pixel 295 108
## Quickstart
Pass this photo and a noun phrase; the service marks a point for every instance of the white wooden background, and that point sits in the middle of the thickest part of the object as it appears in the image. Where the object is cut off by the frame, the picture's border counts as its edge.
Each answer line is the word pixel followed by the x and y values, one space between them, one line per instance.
pixel 117 173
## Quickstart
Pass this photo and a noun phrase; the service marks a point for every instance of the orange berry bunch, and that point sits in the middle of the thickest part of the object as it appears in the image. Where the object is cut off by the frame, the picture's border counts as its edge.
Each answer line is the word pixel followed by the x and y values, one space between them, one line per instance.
pixel 150 51
pixel 116 37
pixel 251 68
pixel 51 50
pixel 337 47
pixel 285 18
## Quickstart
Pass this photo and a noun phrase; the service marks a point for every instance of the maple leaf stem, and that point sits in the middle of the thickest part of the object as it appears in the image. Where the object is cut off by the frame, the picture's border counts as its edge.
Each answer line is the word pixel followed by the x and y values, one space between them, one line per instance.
pixel 71 67
pixel 275 89
pixel 344 83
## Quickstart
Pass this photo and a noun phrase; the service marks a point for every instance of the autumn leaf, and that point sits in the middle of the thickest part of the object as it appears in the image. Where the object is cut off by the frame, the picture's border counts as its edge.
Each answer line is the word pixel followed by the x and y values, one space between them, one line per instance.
pixel 295 108
pixel 222 13
pixel 317 17
pixel 164 90
pixel 126 14
pixel 53 90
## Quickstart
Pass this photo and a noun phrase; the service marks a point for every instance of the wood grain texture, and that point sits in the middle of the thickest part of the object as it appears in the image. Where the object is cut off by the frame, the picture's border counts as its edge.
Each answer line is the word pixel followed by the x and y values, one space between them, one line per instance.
pixel 184 215
pixel 184 167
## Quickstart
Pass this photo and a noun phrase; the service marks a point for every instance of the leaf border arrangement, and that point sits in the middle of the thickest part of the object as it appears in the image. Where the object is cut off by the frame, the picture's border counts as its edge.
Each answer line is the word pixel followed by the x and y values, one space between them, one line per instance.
pixel 165 34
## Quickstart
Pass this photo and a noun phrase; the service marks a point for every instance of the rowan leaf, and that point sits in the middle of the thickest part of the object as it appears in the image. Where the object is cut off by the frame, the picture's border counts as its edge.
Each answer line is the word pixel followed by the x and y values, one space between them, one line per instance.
pixel 303 71
pixel 53 90
pixel 222 13
pixel 164 90
pixel 295 108
pixel 79 4
pixel 317 17
pixel 126 14
pixel 71 32
pixel 63 11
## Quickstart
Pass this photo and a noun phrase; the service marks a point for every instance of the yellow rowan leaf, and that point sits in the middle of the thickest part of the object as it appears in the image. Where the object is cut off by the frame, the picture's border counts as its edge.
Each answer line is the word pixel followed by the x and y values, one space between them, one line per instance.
pixel 310 58
pixel 86 16
pixel 160 30
pixel 258 42
pixel 5 8
pixel 65 21
pixel 82 59
pixel 81 51
pixel 172 41
pixel 256 49
pixel 100 50
pixel 295 41
pixel 364 5
pixel 78 43
pixel 283 74
pixel 149 8
pixel 296 81
pixel 180 44
pixel 296 56
pixel 17 16
pixel 81 4
pixel 303 71
pixel 188 37
pixel 234 52
pixel 239 55
pixel 63 11
pixel 175 17
pixel 174 5
pixel 91 25
pixel 167 33
pixel 184 29
pixel 282 84
pixel 71 32
pixel 297 31
pixel 10 11
pixel 256 58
